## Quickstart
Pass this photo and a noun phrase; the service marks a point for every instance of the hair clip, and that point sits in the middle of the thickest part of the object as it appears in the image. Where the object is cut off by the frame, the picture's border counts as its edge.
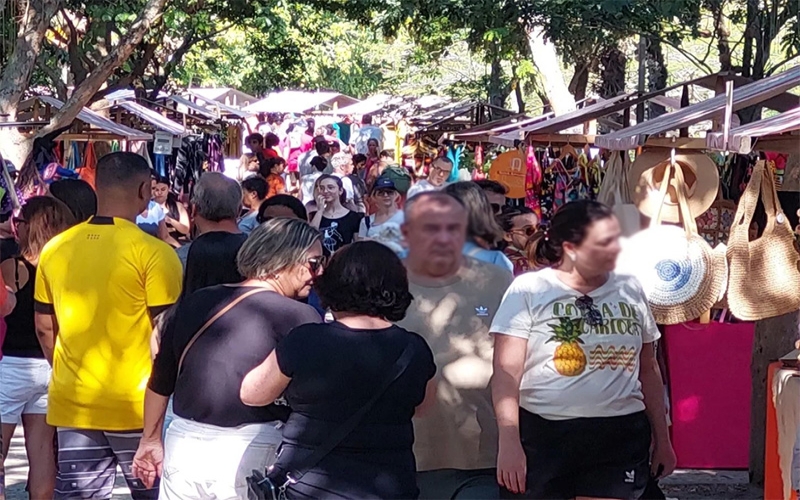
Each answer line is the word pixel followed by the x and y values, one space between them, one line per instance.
pixel 546 235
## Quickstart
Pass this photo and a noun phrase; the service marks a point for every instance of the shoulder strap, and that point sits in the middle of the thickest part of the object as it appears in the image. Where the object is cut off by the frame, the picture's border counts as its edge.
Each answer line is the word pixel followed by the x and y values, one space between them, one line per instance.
pixel 350 425
pixel 212 320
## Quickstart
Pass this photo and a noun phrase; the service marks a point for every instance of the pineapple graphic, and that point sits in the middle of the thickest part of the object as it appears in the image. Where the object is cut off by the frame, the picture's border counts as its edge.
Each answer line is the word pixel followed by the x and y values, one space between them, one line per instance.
pixel 569 358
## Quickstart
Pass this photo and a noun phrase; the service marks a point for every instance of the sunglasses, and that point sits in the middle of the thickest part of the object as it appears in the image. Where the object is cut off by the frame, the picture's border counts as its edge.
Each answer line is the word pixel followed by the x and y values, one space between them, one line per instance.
pixel 384 192
pixel 18 220
pixel 496 207
pixel 317 264
pixel 527 230
pixel 591 314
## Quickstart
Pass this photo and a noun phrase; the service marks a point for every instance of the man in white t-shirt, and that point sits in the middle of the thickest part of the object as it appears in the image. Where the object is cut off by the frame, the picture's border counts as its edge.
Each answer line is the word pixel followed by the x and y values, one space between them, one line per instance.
pixel 367 131
pixel 455 298
pixel 437 177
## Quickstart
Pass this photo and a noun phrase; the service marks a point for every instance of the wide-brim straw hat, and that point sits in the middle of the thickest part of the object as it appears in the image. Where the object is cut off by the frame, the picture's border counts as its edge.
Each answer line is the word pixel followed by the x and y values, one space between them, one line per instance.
pixel 699 172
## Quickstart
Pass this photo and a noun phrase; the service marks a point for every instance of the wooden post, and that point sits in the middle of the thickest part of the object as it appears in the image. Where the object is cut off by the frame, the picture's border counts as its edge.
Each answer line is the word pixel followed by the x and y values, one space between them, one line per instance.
pixel 774 337
pixel 684 132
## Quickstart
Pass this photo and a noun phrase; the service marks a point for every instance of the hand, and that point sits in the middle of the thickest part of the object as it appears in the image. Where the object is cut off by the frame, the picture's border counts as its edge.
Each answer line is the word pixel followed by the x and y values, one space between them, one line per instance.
pixel 320 202
pixel 663 461
pixel 512 466
pixel 148 461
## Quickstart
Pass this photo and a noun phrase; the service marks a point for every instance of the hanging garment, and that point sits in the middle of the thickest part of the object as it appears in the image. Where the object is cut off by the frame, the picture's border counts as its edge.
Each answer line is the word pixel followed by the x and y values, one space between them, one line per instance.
pixel 188 165
pixel 140 148
pixel 160 166
pixel 533 182
pixel 454 155
pixel 88 172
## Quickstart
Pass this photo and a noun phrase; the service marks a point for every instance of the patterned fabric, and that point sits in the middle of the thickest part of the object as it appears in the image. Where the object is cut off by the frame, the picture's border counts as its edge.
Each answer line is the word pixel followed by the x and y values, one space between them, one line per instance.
pixel 519 259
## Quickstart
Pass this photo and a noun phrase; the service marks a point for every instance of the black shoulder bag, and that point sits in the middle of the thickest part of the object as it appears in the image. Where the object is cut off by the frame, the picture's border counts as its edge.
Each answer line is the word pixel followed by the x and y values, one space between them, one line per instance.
pixel 262 487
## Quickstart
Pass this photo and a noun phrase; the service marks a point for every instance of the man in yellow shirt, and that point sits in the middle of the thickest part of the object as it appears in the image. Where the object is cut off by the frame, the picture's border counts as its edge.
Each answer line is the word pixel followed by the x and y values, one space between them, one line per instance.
pixel 98 286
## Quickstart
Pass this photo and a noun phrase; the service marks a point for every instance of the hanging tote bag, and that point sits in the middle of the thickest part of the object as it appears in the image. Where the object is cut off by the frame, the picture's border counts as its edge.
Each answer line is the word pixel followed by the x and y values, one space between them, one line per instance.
pixel 614 192
pixel 764 277
pixel 681 276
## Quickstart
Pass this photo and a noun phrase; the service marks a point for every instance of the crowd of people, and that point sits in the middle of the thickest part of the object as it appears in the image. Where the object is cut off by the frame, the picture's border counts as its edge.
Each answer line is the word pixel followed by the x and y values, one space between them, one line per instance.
pixel 351 330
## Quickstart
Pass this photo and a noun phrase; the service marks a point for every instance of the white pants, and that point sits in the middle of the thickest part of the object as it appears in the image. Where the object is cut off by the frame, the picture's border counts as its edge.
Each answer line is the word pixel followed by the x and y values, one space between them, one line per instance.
pixel 206 462
pixel 23 388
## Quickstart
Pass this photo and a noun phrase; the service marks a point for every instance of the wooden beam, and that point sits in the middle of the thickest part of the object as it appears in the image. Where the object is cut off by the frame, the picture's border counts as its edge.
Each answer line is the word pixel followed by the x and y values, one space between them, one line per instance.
pixel 676 143
pixel 561 139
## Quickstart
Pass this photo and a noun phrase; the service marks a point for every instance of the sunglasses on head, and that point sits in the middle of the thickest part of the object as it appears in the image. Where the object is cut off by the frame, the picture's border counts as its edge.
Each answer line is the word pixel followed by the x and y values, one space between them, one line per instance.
pixel 317 264
pixel 591 314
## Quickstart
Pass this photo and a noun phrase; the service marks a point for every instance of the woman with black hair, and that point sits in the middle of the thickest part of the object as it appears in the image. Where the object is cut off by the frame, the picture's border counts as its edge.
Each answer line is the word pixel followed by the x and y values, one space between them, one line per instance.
pixel 282 205
pixel 577 389
pixel 177 217
pixel 78 195
pixel 328 372
pixel 338 224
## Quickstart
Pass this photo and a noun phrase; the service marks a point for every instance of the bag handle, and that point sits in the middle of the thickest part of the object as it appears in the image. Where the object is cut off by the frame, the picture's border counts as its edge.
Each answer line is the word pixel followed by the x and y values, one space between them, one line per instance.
pixel 740 229
pixel 213 319
pixel 687 217
pixel 662 194
pixel 350 425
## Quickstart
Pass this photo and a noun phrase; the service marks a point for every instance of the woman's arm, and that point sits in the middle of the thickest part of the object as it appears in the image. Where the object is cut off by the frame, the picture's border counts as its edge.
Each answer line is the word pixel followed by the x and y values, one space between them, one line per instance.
pixel 663 460
pixel 264 384
pixel 430 398
pixel 509 363
pixel 317 219
pixel 182 224
pixel 149 457
pixel 163 234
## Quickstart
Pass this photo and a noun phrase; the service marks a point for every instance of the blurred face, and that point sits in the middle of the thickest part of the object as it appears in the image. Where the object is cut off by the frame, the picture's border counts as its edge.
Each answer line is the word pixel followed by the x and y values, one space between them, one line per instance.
pixel 20 229
pixel 372 145
pixel 439 173
pixel 435 231
pixel 497 201
pixel 385 198
pixel 279 169
pixel 297 280
pixel 329 190
pixel 335 148
pixel 250 199
pixel 598 252
pixel 524 227
pixel 160 192
pixel 255 146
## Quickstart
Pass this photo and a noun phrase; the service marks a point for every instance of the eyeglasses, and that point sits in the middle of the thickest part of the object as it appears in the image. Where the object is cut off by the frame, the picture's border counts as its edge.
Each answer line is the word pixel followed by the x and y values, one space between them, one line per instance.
pixel 591 314
pixel 496 208
pixel 527 230
pixel 437 170
pixel 317 264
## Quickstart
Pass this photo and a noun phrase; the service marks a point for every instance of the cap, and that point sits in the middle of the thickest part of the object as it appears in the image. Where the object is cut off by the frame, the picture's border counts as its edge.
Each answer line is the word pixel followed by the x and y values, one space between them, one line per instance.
pixel 383 183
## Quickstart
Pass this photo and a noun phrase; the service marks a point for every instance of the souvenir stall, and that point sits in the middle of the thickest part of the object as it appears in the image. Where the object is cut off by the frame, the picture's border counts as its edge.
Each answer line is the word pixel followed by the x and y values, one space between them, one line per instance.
pixel 705 276
pixel 73 152
pixel 772 138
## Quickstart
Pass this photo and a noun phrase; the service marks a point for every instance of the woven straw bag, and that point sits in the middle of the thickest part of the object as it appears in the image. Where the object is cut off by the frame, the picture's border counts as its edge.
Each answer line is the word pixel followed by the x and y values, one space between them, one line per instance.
pixel 615 193
pixel 681 276
pixel 764 277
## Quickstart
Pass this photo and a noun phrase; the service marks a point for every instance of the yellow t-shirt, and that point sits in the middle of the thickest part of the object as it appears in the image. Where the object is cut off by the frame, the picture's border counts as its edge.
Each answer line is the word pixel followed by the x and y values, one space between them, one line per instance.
pixel 100 278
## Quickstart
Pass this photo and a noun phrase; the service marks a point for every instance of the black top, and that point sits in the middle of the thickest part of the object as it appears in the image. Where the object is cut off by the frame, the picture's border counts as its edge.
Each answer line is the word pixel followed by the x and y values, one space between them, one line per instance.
pixel 207 388
pixel 335 370
pixel 212 260
pixel 337 233
pixel 21 340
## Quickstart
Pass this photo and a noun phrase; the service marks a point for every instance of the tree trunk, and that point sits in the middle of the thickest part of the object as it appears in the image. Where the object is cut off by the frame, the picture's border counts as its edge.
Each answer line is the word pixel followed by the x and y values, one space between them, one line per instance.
pixel 84 92
pixel 16 147
pixel 496 92
pixel 612 75
pixel 657 74
pixel 722 33
pixel 774 337
pixel 550 73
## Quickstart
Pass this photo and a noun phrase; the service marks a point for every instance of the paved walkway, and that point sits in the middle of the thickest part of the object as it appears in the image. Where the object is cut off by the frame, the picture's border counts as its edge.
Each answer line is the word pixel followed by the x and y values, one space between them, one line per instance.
pixel 683 485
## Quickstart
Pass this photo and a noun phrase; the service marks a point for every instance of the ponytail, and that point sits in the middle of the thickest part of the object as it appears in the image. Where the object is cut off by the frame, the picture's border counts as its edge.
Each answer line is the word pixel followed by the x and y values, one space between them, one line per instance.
pixel 542 252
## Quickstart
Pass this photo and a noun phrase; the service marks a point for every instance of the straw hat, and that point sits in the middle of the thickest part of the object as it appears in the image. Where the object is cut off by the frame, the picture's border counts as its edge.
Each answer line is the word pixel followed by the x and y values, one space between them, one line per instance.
pixel 701 180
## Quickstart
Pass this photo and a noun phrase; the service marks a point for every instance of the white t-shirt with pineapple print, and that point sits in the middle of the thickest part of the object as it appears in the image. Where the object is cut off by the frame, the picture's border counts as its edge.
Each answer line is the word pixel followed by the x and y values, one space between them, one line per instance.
pixel 583 353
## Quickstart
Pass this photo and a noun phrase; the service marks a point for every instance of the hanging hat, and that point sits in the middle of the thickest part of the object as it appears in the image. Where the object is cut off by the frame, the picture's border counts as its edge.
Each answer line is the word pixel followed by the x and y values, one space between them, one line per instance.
pixel 701 179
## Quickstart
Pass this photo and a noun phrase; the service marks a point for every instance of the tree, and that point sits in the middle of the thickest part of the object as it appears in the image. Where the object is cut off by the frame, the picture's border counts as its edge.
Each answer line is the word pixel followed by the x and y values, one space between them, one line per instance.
pixel 18 71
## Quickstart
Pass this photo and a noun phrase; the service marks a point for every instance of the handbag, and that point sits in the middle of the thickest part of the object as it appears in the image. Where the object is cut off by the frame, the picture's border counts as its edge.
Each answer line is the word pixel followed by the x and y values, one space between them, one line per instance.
pixel 680 274
pixel 273 484
pixel 764 277
pixel 615 193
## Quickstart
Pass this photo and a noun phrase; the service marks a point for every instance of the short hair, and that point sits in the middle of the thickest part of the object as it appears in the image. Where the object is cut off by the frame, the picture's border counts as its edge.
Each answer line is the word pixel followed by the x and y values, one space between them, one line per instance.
pixel 254 137
pixel 282 200
pixel 359 158
pixel 217 197
pixel 387 153
pixel 320 163
pixel 77 195
pixel 121 170
pixel 340 160
pixel 322 147
pixel 46 217
pixel 482 221
pixel 492 186
pixel 271 140
pixel 366 119
pixel 365 277
pixel 256 184
pixel 275 246
pixel 337 180
pixel 438 196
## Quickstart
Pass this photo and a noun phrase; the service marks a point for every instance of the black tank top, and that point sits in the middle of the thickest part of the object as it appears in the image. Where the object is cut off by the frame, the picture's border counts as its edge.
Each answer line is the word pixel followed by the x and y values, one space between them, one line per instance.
pixel 21 340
